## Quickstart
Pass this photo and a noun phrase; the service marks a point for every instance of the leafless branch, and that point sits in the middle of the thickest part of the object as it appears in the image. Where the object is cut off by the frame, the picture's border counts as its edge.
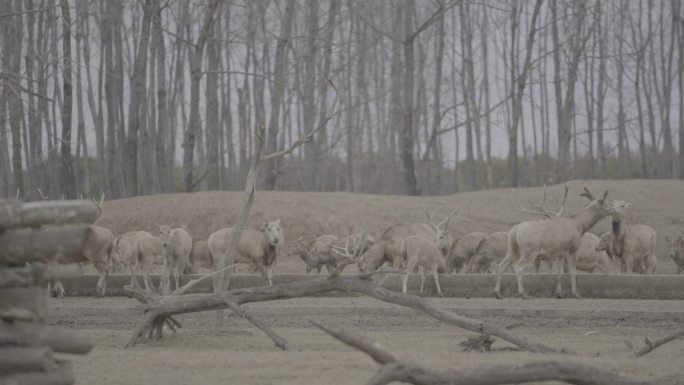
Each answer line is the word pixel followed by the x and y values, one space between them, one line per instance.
pixel 650 346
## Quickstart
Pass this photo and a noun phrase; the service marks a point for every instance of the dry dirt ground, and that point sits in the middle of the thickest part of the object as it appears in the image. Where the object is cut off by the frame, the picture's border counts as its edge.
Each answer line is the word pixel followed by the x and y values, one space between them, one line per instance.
pixel 238 353
pixel 657 203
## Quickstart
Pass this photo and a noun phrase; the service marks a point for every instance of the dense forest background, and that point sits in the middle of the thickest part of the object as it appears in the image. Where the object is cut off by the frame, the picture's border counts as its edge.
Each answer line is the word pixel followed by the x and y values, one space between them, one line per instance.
pixel 405 97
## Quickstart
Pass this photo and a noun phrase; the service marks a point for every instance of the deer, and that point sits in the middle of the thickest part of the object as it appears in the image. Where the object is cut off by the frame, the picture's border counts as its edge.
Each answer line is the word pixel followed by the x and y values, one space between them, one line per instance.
pixel 489 252
pixel 176 247
pixel 97 249
pixel 676 251
pixel 257 247
pixel 389 249
pixel 125 249
pixel 462 250
pixel 591 257
pixel 424 254
pixel 558 237
pixel 149 253
pixel 631 243
pixel 199 256
pixel 323 251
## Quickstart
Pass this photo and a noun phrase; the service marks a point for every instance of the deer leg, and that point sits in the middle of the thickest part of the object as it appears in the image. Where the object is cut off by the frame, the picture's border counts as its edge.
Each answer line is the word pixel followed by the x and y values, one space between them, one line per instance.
pixel 101 283
pixel 435 276
pixel 500 268
pixel 629 264
pixel 559 274
pixel 572 267
pixel 537 265
pixel 422 279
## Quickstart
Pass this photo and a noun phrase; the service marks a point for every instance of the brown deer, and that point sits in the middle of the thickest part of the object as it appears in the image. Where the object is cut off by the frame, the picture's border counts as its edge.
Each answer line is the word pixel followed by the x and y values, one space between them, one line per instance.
pixel 558 238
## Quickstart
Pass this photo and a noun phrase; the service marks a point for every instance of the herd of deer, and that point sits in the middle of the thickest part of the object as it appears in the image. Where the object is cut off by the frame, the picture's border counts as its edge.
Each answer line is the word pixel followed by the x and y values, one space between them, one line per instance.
pixel 561 241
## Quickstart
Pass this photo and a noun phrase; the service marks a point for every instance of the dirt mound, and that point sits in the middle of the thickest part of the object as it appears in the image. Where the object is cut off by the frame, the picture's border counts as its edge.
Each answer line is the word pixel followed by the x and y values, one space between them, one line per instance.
pixel 657 203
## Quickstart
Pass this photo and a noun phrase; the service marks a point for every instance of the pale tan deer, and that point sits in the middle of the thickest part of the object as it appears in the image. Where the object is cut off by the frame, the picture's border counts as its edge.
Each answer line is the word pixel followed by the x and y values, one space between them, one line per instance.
pixel 257 247
pixel 558 237
pixel 424 254
pixel 676 251
pixel 632 243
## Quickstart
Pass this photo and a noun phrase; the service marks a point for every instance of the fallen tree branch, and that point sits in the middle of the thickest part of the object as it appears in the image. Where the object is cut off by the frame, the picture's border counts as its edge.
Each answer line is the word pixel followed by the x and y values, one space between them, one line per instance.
pixel 159 307
pixel 650 346
pixel 193 282
pixel 395 370
pixel 279 341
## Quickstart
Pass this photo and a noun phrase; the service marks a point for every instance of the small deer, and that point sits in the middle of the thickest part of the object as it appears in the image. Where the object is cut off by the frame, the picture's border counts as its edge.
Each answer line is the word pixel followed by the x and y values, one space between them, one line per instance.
pixel 632 243
pixel 676 251
pixel 424 254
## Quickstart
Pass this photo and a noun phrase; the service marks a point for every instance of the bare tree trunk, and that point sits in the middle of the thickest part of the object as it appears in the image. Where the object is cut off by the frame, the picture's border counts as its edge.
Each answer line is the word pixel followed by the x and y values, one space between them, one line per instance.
pixel 196 76
pixel 406 137
pixel 680 71
pixel 67 181
pixel 518 83
pixel 212 113
pixel 564 167
pixel 322 140
pixel 489 177
pixel 272 168
pixel 602 90
pixel 12 62
pixel 309 92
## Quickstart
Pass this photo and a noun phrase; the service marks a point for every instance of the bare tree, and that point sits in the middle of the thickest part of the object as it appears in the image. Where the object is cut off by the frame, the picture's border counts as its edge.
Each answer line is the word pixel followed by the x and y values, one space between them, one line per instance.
pixel 196 76
pixel 67 180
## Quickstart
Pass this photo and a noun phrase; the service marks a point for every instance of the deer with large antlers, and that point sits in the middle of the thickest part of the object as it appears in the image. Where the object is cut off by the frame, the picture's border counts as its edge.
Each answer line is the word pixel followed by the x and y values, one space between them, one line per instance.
pixel 558 237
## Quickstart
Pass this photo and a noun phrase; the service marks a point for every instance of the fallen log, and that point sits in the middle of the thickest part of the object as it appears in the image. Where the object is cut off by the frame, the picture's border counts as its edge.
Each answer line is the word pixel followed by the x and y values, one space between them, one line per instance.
pixel 33 298
pixel 63 244
pixel 650 346
pixel 62 375
pixel 32 334
pixel 15 214
pixel 36 274
pixel 400 371
pixel 23 360
pixel 158 307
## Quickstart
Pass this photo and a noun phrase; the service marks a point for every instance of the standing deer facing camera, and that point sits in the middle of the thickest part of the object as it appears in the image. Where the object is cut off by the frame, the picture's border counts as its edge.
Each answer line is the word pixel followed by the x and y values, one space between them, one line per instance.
pixel 557 238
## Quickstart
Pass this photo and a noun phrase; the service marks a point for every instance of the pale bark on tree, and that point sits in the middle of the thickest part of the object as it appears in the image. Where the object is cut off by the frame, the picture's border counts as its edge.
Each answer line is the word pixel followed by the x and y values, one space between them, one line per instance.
pixel 489 177
pixel 196 77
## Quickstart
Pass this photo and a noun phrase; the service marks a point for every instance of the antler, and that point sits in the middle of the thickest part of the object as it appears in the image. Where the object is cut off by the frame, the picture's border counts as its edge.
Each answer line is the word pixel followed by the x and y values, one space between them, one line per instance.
pixel 100 203
pixel 42 196
pixel 540 210
pixel 437 227
pixel 359 245
pixel 587 194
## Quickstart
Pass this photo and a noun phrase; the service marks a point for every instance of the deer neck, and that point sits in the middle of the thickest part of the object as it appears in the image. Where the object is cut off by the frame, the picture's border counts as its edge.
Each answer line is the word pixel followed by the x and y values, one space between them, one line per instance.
pixel 586 219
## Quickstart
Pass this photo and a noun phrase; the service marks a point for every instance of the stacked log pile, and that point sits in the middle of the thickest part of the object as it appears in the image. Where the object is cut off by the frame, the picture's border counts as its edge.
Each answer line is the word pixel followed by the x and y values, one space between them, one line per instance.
pixel 34 238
